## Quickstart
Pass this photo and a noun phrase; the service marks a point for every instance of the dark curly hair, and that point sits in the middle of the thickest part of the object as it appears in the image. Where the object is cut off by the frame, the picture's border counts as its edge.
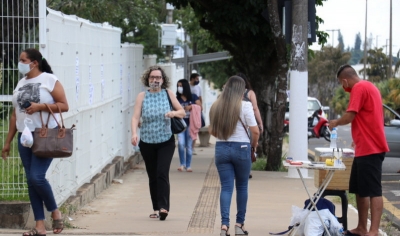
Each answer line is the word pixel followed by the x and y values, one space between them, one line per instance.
pixel 146 75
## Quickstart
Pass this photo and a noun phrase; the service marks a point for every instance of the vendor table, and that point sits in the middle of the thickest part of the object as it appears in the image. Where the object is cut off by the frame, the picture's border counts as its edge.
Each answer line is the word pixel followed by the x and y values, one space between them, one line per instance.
pixel 317 195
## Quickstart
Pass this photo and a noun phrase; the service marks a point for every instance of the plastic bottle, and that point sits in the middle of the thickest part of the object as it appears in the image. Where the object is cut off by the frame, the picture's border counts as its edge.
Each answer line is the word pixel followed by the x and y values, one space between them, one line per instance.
pixel 333 138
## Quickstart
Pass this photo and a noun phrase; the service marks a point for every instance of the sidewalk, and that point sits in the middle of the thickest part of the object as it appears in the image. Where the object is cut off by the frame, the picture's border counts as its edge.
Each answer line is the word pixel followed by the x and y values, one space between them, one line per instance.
pixel 123 209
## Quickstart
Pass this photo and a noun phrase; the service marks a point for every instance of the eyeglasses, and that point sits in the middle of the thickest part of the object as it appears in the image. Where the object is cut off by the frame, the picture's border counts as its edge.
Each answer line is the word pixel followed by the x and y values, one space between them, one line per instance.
pixel 155 77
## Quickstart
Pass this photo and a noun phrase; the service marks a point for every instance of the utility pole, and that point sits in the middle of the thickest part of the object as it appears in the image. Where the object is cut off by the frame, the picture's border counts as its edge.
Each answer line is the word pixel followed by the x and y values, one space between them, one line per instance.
pixel 365 38
pixel 333 34
pixel 390 43
pixel 169 49
pixel 298 142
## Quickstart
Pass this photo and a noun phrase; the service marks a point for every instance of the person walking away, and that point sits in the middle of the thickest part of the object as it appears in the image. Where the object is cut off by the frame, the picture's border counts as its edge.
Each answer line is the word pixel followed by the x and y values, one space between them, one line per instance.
pixel 365 113
pixel 187 100
pixel 195 89
pixel 38 87
pixel 232 149
pixel 250 96
pixel 157 144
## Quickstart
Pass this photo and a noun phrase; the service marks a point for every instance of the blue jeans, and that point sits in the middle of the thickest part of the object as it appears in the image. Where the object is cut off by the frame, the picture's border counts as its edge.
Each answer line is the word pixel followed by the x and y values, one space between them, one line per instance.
pixel 39 188
pixel 233 163
pixel 185 142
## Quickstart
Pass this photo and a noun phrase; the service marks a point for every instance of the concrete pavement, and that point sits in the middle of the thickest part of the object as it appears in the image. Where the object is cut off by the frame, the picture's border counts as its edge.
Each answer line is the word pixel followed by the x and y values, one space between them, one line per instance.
pixel 124 208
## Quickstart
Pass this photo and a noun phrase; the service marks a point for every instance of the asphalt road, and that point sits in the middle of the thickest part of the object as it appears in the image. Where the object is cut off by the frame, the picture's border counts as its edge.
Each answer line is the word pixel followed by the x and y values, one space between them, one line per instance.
pixel 390 165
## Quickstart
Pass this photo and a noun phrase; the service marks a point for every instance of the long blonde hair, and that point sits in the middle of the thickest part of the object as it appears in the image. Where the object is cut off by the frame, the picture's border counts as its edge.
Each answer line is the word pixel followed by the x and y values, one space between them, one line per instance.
pixel 225 112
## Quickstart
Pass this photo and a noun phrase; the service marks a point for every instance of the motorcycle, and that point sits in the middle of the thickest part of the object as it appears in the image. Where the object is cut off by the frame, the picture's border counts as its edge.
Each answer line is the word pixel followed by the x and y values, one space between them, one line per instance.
pixel 285 126
pixel 318 126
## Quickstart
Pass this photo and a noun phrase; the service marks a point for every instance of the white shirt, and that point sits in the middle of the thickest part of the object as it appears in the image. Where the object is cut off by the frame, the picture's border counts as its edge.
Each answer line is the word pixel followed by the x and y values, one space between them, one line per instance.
pixel 248 118
pixel 196 89
pixel 37 90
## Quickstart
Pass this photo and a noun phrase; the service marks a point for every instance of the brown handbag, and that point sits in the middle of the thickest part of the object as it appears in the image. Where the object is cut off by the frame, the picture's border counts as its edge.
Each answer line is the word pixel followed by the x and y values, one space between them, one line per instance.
pixel 53 143
pixel 253 151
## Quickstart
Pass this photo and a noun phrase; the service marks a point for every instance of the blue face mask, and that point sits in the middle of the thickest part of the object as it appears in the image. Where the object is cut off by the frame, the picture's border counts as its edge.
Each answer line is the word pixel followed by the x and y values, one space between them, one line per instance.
pixel 196 82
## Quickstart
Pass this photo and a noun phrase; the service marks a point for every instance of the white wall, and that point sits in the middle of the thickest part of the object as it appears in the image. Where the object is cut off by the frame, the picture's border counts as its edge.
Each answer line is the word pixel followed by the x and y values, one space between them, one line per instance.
pixel 101 79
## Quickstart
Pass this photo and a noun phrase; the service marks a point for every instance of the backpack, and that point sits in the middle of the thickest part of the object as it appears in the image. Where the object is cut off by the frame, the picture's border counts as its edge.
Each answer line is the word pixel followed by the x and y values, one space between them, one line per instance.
pixel 322 203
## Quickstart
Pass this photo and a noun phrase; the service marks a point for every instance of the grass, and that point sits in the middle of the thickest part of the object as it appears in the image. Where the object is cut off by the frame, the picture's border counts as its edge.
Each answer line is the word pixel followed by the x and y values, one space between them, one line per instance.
pixel 261 161
pixel 12 175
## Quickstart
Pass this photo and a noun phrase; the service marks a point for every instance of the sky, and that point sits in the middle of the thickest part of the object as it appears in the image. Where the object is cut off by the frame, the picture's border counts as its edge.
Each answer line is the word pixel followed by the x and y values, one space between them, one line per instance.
pixel 349 17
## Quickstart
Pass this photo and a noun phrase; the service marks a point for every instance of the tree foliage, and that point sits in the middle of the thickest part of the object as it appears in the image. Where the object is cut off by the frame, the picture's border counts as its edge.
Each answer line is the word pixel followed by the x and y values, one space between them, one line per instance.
pixel 356 52
pixel 322 73
pixel 378 65
pixel 258 49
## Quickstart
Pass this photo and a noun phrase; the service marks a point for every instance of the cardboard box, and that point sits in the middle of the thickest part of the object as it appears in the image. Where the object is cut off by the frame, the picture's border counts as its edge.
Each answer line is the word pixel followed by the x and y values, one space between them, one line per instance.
pixel 340 179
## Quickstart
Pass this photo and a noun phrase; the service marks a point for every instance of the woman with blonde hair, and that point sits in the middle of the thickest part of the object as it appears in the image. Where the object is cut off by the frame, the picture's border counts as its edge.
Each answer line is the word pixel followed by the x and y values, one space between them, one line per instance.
pixel 232 150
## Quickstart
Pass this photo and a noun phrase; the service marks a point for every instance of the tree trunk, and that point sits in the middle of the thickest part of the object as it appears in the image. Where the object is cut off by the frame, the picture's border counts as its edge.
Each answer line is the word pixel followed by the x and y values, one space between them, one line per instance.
pixel 274 110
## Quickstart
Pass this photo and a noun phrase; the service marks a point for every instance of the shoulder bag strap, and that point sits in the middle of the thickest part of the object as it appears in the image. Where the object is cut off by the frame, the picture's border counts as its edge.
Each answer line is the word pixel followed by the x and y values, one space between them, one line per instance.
pixel 248 135
pixel 169 100
pixel 51 112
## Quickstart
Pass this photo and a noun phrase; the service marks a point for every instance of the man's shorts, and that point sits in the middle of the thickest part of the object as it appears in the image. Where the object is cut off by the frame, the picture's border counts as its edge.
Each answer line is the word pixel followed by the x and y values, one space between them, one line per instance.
pixel 366 175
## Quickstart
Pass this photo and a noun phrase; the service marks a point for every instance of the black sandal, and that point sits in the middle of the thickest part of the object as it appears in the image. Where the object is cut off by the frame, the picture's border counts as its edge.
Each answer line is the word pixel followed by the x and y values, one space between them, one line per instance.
pixel 224 232
pixel 163 214
pixel 239 231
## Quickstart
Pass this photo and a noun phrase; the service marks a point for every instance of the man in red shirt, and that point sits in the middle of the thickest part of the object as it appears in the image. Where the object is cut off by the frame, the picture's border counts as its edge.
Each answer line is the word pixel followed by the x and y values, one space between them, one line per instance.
pixel 365 113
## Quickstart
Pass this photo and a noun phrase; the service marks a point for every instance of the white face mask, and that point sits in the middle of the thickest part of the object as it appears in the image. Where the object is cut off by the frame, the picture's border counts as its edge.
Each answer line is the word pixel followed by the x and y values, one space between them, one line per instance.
pixel 24 68
pixel 180 90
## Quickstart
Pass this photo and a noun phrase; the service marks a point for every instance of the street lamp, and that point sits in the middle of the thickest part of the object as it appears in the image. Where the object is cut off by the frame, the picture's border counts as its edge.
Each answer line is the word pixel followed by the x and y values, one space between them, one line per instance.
pixel 333 34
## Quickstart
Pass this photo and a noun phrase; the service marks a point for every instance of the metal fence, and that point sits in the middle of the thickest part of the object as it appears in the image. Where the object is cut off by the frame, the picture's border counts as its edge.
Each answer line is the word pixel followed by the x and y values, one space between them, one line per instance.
pixel 20 22
pixel 101 80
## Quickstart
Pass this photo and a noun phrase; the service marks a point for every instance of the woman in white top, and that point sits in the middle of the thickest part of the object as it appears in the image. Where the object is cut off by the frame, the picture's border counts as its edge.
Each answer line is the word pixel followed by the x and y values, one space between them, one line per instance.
pixel 39 86
pixel 230 117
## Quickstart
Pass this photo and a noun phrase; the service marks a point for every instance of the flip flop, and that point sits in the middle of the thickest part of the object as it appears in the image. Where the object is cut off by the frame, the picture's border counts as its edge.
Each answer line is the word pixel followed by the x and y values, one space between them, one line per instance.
pixel 154 216
pixel 348 232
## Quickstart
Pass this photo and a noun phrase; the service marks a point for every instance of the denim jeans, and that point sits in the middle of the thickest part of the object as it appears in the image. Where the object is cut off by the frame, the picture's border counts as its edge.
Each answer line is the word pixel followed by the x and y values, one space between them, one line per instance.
pixel 185 143
pixel 233 164
pixel 39 189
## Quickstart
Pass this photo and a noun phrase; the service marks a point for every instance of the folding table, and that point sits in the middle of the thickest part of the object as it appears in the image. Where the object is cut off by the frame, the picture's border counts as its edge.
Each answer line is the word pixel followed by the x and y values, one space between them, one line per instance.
pixel 313 201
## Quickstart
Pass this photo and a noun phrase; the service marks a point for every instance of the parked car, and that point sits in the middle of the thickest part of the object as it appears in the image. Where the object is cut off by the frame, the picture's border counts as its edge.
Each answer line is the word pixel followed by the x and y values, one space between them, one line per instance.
pixel 392 132
pixel 313 104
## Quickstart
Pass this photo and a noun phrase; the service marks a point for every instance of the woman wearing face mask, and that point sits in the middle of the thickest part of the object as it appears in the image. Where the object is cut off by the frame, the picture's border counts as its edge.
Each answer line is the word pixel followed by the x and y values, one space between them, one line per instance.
pixel 157 144
pixel 37 87
pixel 185 141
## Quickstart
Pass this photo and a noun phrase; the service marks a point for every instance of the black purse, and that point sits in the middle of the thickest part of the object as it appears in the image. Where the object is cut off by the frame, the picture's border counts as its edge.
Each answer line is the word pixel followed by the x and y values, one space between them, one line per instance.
pixel 178 125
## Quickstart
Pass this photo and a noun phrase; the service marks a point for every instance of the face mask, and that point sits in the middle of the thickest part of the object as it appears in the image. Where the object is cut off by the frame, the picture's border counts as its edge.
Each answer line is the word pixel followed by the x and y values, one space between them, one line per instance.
pixel 24 68
pixel 196 82
pixel 155 85
pixel 180 90
pixel 347 89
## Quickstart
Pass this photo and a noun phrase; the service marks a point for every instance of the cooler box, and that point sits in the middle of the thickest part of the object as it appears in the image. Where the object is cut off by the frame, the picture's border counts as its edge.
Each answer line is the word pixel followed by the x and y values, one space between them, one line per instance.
pixel 340 180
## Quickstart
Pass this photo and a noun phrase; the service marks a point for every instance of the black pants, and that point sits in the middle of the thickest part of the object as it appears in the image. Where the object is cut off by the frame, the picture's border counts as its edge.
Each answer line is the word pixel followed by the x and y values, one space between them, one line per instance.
pixel 158 157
